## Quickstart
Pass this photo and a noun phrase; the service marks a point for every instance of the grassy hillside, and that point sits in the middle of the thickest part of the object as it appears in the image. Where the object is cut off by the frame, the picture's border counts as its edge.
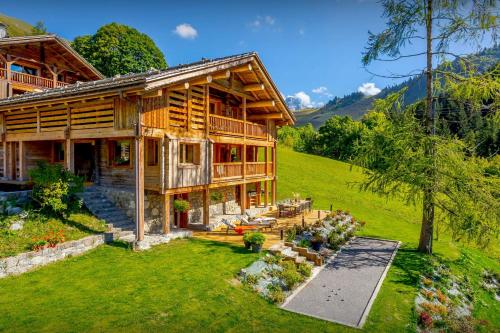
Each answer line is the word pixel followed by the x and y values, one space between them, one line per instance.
pixel 333 182
pixel 16 27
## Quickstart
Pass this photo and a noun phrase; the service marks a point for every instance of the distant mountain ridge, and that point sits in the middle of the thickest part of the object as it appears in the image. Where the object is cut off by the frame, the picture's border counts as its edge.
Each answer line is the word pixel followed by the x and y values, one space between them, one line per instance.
pixel 16 27
pixel 356 104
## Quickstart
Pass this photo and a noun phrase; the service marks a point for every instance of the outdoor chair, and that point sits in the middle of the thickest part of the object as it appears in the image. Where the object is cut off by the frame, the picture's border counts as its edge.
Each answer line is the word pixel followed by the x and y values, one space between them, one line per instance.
pixel 238 229
pixel 284 212
pixel 265 222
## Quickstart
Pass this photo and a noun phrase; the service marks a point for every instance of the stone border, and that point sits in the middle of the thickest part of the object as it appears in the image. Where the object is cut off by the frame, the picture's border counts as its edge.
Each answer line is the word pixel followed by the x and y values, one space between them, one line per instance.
pixel 28 261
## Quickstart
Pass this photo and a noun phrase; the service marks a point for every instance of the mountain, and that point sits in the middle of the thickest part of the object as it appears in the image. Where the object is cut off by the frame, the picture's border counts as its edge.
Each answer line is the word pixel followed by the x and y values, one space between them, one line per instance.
pixel 16 27
pixel 356 104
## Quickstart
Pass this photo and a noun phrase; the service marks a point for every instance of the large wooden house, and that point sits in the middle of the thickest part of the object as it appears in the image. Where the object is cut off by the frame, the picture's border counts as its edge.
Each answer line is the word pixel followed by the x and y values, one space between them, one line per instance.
pixel 146 139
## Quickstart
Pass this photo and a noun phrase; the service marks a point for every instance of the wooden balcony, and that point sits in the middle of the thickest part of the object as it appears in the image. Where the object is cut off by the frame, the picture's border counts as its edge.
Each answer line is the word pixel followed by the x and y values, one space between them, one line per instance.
pixel 30 80
pixel 234 170
pixel 220 125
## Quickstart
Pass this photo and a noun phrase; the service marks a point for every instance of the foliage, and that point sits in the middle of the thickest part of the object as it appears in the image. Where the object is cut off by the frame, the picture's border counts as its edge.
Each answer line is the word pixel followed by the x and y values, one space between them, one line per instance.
pixel 302 138
pixel 339 137
pixel 39 29
pixel 54 188
pixel 334 240
pixel 120 49
pixel 216 196
pixel 425 319
pixel 256 238
pixel 304 269
pixel 251 279
pixel 275 294
pixel 304 243
pixel 290 234
pixel 289 274
pixel 181 205
pixel 53 237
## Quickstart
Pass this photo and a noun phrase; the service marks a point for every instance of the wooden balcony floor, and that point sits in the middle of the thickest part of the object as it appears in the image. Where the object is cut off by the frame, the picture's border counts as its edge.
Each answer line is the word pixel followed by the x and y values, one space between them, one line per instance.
pixel 272 237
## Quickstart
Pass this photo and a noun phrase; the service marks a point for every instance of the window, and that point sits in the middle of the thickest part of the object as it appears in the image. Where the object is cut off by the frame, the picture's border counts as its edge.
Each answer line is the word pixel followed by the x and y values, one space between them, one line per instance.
pixel 119 153
pixel 58 152
pixel 152 151
pixel 24 69
pixel 189 153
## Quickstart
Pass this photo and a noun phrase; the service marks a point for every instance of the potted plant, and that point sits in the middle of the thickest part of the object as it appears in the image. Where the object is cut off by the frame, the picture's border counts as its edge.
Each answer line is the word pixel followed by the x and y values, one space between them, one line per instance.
pixel 247 240
pixel 316 241
pixel 181 205
pixel 256 241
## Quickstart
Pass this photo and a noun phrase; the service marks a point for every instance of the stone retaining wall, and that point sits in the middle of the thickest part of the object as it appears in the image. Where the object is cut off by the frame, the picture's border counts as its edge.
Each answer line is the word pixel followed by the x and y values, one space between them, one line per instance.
pixel 30 260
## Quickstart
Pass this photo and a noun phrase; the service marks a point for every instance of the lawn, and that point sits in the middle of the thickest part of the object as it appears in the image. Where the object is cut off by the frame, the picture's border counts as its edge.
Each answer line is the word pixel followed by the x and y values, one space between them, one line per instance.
pixel 37 225
pixel 190 285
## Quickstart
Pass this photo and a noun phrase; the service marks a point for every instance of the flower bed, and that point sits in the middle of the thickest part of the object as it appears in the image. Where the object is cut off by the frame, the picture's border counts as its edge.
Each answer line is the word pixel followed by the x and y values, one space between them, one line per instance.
pixel 444 302
pixel 326 236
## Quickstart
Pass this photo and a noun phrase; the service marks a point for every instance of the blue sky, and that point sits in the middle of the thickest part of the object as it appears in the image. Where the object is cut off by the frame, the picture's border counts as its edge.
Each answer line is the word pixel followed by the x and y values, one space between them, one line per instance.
pixel 312 49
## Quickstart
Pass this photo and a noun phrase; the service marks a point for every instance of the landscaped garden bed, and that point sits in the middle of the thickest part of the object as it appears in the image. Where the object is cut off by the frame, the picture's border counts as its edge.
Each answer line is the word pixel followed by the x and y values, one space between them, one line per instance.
pixel 276 275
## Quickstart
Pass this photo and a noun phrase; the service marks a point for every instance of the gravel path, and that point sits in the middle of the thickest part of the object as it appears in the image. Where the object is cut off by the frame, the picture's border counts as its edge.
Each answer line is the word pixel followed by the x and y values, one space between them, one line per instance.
pixel 342 292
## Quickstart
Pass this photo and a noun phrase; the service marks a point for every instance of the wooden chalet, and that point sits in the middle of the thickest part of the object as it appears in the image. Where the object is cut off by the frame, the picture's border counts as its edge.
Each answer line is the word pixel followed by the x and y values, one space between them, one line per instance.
pixel 150 138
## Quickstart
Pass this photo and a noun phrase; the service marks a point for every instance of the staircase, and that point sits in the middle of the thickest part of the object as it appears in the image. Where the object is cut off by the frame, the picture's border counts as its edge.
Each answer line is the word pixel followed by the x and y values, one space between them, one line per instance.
pixel 120 225
pixel 287 253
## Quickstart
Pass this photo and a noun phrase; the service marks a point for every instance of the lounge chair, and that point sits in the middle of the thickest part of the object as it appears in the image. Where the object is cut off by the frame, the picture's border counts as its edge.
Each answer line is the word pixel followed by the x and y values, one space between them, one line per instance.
pixel 265 222
pixel 238 229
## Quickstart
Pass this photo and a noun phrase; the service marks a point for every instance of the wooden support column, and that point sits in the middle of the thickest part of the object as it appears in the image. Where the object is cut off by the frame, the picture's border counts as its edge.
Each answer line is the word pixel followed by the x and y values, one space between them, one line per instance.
pixel 258 193
pixel 12 161
pixel 5 156
pixel 207 111
pixel 22 161
pixel 206 206
pixel 166 214
pixel 69 155
pixel 244 154
pixel 243 191
pixel 266 193
pixel 139 187
pixel 273 183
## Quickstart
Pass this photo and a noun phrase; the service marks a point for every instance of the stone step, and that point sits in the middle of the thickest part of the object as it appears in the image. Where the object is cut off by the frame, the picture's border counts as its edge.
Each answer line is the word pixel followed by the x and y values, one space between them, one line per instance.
pixel 289 253
pixel 300 260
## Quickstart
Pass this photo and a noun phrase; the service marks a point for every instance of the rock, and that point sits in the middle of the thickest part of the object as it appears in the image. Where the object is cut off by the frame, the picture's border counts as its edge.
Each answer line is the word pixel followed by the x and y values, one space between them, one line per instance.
pixel 14 210
pixel 18 225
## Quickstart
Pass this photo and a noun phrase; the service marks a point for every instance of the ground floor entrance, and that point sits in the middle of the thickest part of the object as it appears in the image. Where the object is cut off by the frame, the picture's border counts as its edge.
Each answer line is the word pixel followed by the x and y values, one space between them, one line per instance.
pixel 85 160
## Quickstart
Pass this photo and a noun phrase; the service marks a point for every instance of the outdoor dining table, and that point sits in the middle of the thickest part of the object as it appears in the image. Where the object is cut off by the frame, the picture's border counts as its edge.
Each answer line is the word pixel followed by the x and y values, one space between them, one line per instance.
pixel 298 207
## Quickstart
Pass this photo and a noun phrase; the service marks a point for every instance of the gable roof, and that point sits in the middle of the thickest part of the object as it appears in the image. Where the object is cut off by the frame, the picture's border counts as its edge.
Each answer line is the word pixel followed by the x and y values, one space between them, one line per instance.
pixel 56 47
pixel 155 79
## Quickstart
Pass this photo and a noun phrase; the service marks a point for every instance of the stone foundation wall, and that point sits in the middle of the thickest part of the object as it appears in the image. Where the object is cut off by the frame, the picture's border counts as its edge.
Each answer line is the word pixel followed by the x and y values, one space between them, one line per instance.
pixel 228 205
pixel 11 201
pixel 195 214
pixel 123 199
pixel 30 260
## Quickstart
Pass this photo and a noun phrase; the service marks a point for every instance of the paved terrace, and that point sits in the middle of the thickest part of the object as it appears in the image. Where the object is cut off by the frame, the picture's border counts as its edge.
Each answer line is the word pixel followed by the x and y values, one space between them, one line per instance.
pixel 272 237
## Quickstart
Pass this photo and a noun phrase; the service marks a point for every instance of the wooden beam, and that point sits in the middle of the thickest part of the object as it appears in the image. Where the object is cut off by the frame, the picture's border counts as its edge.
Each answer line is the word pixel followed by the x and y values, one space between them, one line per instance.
pixel 261 104
pixel 5 156
pixel 206 207
pixel 220 87
pixel 69 155
pixel 221 75
pixel 203 80
pixel 243 194
pixel 22 161
pixel 244 68
pixel 254 87
pixel 166 214
pixel 182 86
pixel 156 93
pixel 266 192
pixel 273 192
pixel 265 116
pixel 139 188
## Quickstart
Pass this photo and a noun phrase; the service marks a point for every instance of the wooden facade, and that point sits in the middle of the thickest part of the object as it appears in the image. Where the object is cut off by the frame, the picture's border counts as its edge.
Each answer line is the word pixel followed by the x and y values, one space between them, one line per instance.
pixel 198 127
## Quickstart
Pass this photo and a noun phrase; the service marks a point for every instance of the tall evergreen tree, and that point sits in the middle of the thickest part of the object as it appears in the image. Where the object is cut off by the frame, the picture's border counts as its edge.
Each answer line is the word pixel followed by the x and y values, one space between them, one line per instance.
pixel 441 22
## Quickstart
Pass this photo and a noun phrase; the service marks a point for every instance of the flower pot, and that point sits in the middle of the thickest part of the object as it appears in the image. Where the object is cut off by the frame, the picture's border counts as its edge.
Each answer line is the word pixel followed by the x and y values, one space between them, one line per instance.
pixel 316 246
pixel 256 248
pixel 247 245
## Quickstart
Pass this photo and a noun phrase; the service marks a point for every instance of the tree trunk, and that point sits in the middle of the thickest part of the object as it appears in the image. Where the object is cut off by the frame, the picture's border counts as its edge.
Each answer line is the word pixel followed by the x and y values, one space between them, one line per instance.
pixel 425 243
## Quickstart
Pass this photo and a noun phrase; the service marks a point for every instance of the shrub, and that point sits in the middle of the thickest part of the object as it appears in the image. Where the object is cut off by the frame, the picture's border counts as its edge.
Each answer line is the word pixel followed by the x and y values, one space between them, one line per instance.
pixel 426 282
pixel 304 243
pixel 216 197
pixel 291 234
pixel 51 239
pixel 54 187
pixel 425 319
pixel 38 245
pixel 304 269
pixel 442 297
pixel 275 294
pixel 289 275
pixel 181 205
pixel 257 238
pixel 428 294
pixel 273 259
pixel 334 240
pixel 251 279
pixel 438 309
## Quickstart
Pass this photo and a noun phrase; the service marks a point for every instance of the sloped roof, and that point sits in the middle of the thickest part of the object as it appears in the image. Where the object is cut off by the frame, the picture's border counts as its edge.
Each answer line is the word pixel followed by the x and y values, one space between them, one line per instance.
pixel 60 45
pixel 154 79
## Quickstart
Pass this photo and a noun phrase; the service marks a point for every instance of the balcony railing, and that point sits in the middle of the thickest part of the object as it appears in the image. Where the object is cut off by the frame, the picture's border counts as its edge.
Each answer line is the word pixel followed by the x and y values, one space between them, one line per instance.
pixel 235 127
pixel 31 80
pixel 234 170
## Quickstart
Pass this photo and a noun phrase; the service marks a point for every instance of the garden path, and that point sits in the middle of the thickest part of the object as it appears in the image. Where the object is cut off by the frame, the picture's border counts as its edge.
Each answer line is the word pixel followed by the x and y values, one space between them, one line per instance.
pixel 345 288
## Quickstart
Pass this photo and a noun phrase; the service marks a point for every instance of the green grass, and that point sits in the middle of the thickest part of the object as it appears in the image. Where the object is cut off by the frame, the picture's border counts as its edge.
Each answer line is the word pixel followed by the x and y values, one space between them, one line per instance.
pixel 16 27
pixel 191 285
pixel 77 225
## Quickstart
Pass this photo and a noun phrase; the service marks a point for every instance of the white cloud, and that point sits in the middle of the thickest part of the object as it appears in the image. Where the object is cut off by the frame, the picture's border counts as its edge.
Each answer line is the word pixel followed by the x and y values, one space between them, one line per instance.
pixel 322 91
pixel 305 99
pixel 186 31
pixel 369 89
pixel 261 21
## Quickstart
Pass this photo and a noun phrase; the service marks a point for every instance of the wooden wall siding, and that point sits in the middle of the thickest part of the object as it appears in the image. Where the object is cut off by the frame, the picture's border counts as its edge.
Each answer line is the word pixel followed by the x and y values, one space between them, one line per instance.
pixel 93 115
pixel 156 112
pixel 197 102
pixel 125 113
pixel 2 157
pixel 4 89
pixel 21 121
pixel 119 177
pixel 53 119
pixel 35 151
pixel 191 175
pixel 177 109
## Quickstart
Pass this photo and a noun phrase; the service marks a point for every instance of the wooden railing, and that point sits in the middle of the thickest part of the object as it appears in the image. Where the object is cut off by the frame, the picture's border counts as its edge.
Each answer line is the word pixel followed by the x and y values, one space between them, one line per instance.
pixel 31 80
pixel 256 168
pixel 228 170
pixel 256 130
pixel 236 127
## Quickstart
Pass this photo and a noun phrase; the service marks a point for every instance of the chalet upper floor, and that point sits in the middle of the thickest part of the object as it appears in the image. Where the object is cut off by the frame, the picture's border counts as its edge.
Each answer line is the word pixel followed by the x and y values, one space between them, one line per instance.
pixel 35 63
